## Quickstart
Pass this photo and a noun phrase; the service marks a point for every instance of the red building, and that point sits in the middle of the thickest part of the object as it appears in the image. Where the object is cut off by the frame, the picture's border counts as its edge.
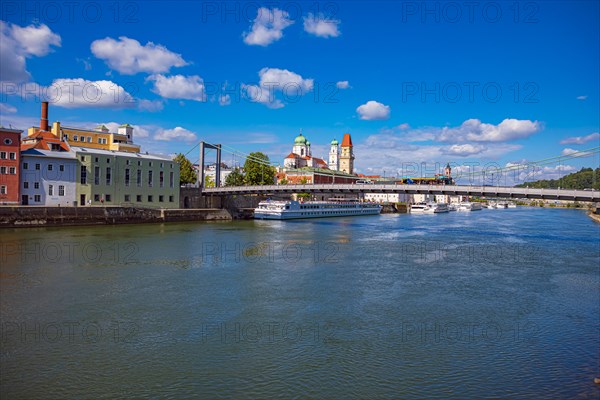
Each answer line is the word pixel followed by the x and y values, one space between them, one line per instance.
pixel 10 158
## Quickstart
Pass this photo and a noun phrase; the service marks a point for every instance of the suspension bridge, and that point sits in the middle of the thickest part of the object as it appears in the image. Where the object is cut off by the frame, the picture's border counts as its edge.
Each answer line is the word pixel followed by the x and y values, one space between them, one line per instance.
pixel 475 180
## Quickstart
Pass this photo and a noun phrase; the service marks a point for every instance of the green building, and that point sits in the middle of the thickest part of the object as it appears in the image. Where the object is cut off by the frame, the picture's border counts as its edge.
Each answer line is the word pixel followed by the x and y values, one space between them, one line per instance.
pixel 107 177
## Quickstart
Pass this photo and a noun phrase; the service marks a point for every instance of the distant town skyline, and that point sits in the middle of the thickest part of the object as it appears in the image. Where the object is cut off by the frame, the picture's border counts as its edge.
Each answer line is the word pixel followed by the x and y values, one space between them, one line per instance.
pixel 413 82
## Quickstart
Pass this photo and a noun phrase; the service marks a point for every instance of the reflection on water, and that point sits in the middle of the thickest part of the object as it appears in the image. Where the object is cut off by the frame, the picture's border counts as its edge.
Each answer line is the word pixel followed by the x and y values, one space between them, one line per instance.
pixel 495 303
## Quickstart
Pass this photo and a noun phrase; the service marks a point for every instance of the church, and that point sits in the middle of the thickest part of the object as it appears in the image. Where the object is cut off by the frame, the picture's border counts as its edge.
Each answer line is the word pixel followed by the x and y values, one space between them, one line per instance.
pixel 340 159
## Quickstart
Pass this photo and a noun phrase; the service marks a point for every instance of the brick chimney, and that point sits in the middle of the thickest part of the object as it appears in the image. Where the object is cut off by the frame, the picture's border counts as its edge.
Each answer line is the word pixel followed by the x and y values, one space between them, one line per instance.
pixel 44 119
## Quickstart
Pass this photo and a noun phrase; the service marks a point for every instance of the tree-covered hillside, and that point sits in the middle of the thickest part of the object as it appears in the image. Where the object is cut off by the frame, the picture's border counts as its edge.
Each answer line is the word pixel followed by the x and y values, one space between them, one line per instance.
pixel 586 178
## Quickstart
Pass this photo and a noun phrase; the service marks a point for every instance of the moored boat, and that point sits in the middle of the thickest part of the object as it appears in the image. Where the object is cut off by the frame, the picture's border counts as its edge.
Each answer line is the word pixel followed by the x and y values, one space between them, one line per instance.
pixel 274 209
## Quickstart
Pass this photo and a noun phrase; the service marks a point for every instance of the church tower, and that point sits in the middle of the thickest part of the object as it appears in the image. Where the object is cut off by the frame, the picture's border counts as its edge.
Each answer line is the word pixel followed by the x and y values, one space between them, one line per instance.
pixel 334 156
pixel 347 155
pixel 448 170
pixel 301 146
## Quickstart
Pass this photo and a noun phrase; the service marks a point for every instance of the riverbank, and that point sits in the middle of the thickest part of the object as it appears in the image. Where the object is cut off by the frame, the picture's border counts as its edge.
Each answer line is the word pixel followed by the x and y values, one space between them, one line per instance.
pixel 595 217
pixel 23 217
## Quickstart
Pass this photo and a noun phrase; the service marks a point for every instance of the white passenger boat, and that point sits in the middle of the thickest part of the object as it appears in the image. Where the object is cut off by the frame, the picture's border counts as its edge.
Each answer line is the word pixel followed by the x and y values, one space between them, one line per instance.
pixel 274 209
pixel 429 208
pixel 512 205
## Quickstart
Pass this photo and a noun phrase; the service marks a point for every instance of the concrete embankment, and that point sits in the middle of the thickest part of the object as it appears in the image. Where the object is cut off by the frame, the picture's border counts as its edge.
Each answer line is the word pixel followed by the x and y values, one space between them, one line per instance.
pixel 14 217
pixel 394 208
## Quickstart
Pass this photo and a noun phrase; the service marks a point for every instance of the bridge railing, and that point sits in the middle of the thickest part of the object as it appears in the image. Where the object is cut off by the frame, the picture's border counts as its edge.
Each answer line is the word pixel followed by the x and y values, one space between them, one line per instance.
pixel 468 190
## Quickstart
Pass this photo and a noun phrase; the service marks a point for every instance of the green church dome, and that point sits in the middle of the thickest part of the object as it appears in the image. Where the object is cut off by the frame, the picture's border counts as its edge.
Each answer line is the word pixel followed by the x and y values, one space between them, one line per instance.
pixel 334 142
pixel 300 140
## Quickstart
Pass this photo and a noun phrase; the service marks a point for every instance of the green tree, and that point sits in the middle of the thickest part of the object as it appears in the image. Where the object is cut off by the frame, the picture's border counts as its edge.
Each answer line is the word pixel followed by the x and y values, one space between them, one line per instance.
pixel 257 170
pixel 235 178
pixel 283 181
pixel 186 170
pixel 209 181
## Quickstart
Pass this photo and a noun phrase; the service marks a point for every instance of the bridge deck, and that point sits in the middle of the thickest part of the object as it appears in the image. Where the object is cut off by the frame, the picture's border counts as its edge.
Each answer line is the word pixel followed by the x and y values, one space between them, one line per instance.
pixel 463 190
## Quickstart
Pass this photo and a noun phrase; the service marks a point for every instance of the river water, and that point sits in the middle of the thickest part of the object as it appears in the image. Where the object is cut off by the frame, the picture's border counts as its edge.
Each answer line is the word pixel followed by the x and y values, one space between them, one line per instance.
pixel 487 304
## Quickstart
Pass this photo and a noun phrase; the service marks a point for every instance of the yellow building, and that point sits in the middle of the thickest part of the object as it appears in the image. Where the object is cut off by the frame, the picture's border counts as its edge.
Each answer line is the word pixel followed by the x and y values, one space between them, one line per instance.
pixel 99 138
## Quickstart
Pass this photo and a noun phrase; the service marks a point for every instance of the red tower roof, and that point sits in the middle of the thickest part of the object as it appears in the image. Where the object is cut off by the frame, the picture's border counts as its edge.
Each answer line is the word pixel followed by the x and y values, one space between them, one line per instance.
pixel 347 141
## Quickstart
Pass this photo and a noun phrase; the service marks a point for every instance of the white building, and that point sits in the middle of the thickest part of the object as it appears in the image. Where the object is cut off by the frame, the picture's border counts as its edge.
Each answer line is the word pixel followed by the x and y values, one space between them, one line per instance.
pixel 388 197
pixel 48 178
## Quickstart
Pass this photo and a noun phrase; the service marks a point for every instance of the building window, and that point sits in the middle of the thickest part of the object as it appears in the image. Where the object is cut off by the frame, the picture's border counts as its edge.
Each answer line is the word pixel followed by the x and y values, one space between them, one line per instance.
pixel 96 159
pixel 25 165
pixel 50 167
pixel 12 170
pixel 162 165
pixel 139 163
pixel 107 197
pixel 126 176
pixel 2 170
pixel 96 197
pixel 75 138
pixel 139 177
pixel 83 175
pixel 66 138
pixel 108 175
pixel 96 175
pixel 3 155
pixel 50 190
pixel 82 139
pixel 150 198
pixel 7 141
pixel 128 162
pixel 82 158
pixel 25 185
pixel 150 163
pixel 12 156
pixel 37 167
pixel 161 179
pixel 150 178
pixel 127 198
pixel 36 185
pixel 2 189
pixel 161 199
pixel 108 160
pixel 37 198
pixel 138 198
pixel 61 168
pixel 171 179
pixel 170 199
pixel 89 139
pixel 61 190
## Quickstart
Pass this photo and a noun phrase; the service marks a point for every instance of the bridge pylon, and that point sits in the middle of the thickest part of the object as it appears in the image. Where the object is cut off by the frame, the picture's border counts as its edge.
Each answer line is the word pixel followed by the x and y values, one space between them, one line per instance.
pixel 203 147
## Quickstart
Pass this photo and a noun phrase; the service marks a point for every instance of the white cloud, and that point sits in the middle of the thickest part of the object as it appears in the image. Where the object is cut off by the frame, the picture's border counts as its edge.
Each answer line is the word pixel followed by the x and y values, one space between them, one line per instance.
pixel 150 105
pixel 178 134
pixel 7 108
pixel 576 153
pixel 320 26
pixel 476 131
pixel 373 110
pixel 464 150
pixel 274 80
pixel 224 100
pixel 129 57
pixel 81 93
pixel 268 27
pixel 343 85
pixel 179 87
pixel 581 139
pixel 581 97
pixel 19 43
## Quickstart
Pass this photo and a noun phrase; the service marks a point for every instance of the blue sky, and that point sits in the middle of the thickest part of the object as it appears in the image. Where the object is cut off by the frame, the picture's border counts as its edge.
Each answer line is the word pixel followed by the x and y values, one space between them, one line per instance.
pixel 435 82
